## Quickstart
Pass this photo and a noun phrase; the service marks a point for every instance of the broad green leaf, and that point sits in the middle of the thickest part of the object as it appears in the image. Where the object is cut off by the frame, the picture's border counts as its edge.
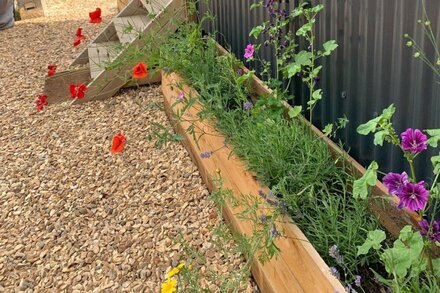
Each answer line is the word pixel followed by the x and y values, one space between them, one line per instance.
pixel 302 31
pixel 303 58
pixel 245 77
pixel 292 69
pixel 379 137
pixel 368 127
pixel 434 137
pixel 374 240
pixel 436 163
pixel 361 185
pixel 317 70
pixel 405 254
pixel 317 95
pixel 256 31
pixel 293 112
pixel 317 8
pixel 329 47
pixel 328 129
pixel 388 112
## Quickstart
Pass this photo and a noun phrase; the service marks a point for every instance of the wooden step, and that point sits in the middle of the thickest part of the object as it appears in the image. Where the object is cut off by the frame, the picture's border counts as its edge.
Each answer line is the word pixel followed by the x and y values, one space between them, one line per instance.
pixel 128 27
pixel 100 54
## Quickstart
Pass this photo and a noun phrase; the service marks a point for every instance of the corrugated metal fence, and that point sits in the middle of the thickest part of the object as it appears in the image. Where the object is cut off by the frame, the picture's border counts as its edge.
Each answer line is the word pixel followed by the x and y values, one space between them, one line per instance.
pixel 371 68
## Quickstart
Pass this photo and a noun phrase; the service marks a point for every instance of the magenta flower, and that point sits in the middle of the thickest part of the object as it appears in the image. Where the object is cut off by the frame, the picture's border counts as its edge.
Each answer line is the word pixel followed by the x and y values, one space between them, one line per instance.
pixel 249 51
pixel 395 182
pixel 433 233
pixel 413 140
pixel 181 96
pixel 413 196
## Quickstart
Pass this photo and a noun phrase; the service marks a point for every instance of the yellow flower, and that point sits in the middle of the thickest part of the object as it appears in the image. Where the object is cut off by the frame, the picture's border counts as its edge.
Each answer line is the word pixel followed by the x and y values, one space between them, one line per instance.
pixel 169 286
pixel 175 270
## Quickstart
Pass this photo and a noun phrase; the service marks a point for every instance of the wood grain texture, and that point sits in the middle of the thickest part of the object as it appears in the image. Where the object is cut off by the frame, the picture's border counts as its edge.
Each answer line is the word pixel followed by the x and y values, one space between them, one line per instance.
pixel 298 268
pixel 57 87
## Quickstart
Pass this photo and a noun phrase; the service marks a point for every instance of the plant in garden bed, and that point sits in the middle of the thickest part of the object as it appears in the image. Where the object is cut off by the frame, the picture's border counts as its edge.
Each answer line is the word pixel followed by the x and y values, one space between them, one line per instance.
pixel 409 261
pixel 198 274
pixel 295 164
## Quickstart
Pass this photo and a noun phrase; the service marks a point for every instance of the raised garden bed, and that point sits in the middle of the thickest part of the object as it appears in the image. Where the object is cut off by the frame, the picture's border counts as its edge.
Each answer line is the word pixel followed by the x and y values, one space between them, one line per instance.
pixel 298 267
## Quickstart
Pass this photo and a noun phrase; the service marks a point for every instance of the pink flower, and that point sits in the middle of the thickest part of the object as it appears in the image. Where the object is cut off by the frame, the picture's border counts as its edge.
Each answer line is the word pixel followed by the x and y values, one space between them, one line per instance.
pixel 181 96
pixel 249 51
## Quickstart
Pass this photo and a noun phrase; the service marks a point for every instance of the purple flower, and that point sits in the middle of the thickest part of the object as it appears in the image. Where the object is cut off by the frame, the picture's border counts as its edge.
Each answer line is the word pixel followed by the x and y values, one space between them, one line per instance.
pixel 261 193
pixel 263 218
pixel 240 71
pixel 205 155
pixel 357 280
pixel 268 3
pixel 247 105
pixel 433 233
pixel 395 182
pixel 334 272
pixel 249 51
pixel 413 196
pixel 334 252
pixel 181 96
pixel 274 232
pixel 413 140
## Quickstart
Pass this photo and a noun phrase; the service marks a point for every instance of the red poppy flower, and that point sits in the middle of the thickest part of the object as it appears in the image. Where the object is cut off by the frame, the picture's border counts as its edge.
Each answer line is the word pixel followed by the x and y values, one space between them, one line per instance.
pixel 79 37
pixel 118 143
pixel 77 91
pixel 95 16
pixel 79 34
pixel 41 102
pixel 51 69
pixel 140 71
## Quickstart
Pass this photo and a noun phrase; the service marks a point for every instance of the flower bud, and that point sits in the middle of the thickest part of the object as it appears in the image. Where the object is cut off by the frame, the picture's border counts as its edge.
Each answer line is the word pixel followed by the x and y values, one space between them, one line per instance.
pixel 427 23
pixel 438 62
pixel 409 43
pixel 417 55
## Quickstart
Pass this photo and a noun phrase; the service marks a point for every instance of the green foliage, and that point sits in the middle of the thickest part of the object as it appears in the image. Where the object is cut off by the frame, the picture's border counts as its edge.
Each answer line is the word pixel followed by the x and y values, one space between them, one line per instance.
pixel 435 137
pixel 283 154
pixel 374 240
pixel 162 135
pixel 361 186
pixel 436 163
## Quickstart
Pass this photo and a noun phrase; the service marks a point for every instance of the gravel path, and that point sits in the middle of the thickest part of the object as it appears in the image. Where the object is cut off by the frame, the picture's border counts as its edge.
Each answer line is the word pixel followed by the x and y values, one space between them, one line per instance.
pixel 74 217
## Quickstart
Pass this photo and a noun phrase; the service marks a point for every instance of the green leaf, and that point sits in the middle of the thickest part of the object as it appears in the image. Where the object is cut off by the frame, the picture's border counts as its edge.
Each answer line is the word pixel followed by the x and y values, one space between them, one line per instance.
pixel 317 8
pixel 303 58
pixel 243 78
pixel 302 31
pixel 292 69
pixel 379 137
pixel 328 129
pixel 361 185
pixel 388 112
pixel 256 31
pixel 436 163
pixel 255 5
pixel 329 47
pixel 434 137
pixel 368 127
pixel 436 266
pixel 405 255
pixel 293 112
pixel 317 95
pixel 374 240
